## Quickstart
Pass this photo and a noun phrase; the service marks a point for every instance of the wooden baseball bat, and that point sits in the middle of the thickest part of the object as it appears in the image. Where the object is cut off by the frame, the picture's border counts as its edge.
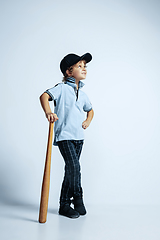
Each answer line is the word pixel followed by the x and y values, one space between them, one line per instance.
pixel 46 178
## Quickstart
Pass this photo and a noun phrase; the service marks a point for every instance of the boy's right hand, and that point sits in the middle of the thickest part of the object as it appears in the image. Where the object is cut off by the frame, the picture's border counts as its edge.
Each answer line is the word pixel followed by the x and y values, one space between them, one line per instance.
pixel 52 117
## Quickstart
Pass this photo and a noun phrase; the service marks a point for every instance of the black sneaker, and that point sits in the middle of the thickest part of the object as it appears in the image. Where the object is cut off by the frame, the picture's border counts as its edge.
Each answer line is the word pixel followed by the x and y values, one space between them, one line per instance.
pixel 67 211
pixel 79 206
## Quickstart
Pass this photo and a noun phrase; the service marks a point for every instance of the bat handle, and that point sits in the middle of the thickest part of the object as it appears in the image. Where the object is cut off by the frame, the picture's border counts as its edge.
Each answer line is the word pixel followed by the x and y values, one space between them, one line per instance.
pixel 46 178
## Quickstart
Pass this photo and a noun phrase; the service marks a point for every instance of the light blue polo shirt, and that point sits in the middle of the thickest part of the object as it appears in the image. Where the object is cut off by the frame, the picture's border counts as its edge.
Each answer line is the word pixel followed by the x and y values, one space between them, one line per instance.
pixel 69 105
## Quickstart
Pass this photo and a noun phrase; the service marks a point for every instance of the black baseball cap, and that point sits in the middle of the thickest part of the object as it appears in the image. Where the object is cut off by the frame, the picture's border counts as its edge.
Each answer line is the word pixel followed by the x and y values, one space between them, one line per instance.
pixel 71 59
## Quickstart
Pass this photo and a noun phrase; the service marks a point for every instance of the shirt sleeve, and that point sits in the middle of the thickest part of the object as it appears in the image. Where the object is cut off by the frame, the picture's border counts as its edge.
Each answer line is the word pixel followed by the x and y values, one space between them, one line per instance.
pixel 87 105
pixel 54 92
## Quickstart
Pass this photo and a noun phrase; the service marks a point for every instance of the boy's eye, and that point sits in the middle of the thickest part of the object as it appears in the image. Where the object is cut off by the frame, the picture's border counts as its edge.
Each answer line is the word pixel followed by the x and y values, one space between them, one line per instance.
pixel 81 66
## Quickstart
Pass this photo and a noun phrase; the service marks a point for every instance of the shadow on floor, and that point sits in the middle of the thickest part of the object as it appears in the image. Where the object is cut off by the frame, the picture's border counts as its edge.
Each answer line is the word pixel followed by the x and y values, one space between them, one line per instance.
pixel 25 207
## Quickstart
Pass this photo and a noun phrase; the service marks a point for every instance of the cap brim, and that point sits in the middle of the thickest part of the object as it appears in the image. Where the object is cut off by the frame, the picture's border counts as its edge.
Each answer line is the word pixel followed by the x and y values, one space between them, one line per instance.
pixel 87 57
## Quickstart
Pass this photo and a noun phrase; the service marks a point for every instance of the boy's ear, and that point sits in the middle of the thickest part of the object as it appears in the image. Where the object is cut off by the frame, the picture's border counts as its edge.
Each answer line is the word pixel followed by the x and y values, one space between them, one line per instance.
pixel 68 73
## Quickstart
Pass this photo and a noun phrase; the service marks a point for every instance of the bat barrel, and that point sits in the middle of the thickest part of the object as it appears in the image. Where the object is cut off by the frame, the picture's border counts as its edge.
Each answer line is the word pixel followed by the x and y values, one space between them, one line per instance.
pixel 46 178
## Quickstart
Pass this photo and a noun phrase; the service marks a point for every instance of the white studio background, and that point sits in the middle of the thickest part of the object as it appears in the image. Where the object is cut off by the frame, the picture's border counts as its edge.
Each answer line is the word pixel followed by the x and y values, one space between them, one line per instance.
pixel 120 159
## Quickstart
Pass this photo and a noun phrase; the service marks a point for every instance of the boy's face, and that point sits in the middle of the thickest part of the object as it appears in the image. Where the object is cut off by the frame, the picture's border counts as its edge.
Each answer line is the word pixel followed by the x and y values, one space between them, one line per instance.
pixel 79 70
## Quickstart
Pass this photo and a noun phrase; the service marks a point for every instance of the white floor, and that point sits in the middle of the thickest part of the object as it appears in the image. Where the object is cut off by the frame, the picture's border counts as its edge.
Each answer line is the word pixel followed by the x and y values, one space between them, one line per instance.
pixel 19 222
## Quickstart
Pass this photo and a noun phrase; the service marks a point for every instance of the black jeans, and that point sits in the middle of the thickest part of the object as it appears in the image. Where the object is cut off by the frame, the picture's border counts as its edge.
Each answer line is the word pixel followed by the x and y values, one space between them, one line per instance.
pixel 71 186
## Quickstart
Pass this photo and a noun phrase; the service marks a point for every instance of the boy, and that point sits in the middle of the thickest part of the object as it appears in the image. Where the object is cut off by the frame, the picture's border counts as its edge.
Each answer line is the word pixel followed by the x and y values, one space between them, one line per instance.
pixel 70 103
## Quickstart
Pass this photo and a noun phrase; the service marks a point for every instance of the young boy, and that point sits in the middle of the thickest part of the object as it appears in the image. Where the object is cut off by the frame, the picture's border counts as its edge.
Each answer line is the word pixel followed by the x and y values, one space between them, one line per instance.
pixel 70 103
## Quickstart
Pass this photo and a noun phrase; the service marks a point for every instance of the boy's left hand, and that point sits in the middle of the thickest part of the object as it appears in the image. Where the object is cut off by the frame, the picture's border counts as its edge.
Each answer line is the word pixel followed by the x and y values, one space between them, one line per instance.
pixel 85 124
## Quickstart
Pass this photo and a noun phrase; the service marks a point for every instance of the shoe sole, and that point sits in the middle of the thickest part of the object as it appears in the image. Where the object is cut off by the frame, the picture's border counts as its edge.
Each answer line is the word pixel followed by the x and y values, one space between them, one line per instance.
pixel 72 217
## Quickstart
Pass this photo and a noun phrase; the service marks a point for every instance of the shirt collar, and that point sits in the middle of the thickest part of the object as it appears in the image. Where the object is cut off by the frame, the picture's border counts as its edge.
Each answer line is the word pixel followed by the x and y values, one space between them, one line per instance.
pixel 71 81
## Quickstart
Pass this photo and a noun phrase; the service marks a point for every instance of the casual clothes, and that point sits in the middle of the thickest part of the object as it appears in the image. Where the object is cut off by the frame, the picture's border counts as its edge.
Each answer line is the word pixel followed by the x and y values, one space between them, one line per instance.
pixel 71 186
pixel 70 105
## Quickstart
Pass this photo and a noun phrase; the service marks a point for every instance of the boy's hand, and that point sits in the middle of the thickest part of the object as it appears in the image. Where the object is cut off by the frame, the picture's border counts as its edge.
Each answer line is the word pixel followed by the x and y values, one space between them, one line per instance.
pixel 52 117
pixel 85 124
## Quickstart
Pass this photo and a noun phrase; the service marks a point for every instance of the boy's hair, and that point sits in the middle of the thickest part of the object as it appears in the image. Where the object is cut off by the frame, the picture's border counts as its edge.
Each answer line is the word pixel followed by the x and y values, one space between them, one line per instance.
pixel 70 69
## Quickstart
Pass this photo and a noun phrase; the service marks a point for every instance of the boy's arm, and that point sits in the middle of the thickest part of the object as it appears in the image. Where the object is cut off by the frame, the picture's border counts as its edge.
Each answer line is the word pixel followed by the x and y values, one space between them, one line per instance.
pixel 44 99
pixel 87 122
